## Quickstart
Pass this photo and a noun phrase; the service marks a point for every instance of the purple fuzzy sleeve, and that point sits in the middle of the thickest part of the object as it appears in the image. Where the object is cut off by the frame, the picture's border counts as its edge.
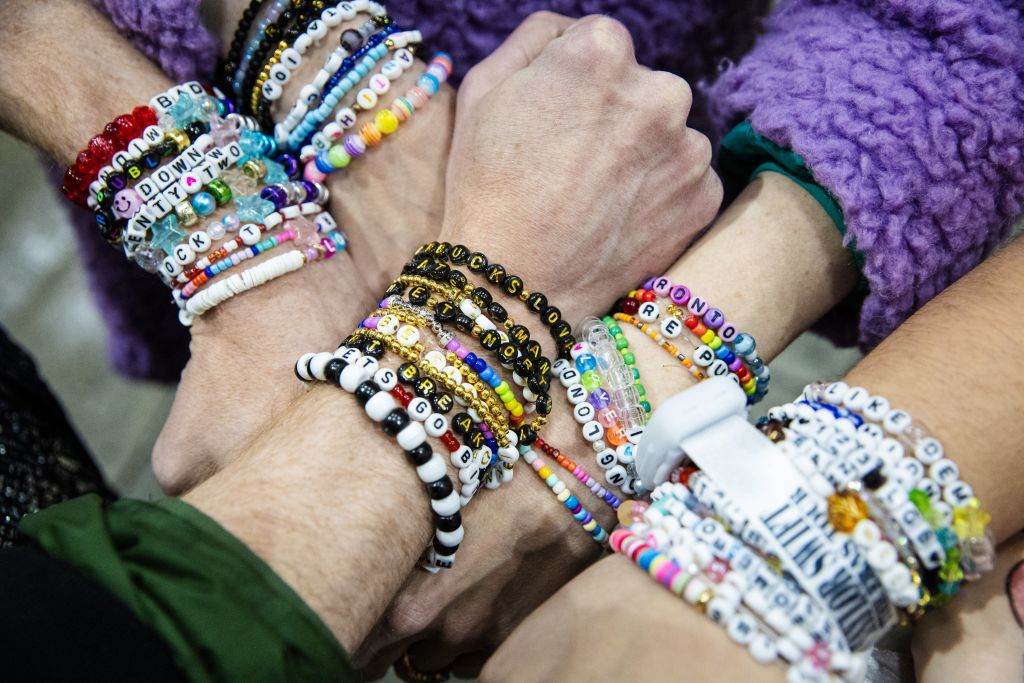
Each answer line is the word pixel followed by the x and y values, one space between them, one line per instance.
pixel 911 113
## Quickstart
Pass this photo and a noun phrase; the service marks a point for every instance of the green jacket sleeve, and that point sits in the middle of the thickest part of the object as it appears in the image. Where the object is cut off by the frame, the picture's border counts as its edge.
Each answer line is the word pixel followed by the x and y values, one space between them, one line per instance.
pixel 223 612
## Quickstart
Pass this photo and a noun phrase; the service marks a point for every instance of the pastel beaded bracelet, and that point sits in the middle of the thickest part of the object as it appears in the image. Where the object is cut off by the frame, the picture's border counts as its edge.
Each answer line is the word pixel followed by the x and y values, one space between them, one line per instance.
pixel 564 496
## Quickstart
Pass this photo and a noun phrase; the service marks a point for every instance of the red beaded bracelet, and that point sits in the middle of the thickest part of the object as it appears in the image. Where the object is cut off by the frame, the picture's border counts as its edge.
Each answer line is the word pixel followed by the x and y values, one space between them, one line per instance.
pixel 115 137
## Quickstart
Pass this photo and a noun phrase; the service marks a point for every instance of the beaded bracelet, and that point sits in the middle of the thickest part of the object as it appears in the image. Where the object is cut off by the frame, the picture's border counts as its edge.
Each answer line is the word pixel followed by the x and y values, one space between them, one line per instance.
pixel 349 43
pixel 491 339
pixel 618 365
pixel 577 471
pixel 714 358
pixel 348 75
pixel 286 28
pixel 231 70
pixel 374 387
pixel 271 269
pixel 464 307
pixel 564 496
pixel 513 285
pixel 385 122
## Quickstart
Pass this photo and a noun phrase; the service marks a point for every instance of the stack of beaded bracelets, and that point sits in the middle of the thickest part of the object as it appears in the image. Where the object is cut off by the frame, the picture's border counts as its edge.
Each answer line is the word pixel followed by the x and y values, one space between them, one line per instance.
pixel 376 389
pixel 864 532
pixel 385 122
pixel 874 463
pixel 679 544
pixel 715 335
pixel 605 404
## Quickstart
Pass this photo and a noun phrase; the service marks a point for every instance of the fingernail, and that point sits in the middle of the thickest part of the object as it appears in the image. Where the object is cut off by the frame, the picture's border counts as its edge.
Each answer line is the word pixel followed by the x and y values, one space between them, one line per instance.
pixel 1015 591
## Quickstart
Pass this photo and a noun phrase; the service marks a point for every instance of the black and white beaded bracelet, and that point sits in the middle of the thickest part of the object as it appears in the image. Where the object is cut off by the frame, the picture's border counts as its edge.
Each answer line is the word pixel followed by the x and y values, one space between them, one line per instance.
pixel 371 384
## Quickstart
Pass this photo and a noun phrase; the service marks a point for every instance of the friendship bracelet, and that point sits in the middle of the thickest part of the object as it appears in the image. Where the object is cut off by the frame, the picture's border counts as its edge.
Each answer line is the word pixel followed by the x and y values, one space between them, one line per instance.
pixel 236 63
pixel 476 262
pixel 286 28
pixel 385 122
pixel 564 495
pixel 277 71
pixel 352 70
pixel 349 43
pixel 271 269
pixel 665 344
pixel 377 391
pixel 577 471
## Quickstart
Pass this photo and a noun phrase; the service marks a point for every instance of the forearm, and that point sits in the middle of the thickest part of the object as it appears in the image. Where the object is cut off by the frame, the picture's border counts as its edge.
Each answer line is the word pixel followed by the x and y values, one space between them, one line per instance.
pixel 329 502
pixel 773 262
pixel 89 75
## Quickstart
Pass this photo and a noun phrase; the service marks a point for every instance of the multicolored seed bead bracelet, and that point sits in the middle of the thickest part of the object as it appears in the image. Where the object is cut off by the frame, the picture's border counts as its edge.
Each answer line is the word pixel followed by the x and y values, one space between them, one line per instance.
pixel 577 471
pixel 275 40
pixel 377 391
pixel 385 122
pixel 564 495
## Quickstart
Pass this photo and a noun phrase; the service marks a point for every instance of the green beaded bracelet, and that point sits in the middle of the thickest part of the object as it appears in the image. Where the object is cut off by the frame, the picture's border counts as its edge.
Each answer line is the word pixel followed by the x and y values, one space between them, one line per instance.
pixel 622 344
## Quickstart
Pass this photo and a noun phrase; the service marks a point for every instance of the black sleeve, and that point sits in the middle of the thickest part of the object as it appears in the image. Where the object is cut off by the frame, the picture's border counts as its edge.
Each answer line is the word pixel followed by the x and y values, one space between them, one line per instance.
pixel 57 625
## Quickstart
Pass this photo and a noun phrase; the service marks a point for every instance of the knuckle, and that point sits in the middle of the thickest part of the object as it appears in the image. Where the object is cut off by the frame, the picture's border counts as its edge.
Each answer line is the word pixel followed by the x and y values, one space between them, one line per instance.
pixel 408 617
pixel 600 39
pixel 542 18
pixel 700 146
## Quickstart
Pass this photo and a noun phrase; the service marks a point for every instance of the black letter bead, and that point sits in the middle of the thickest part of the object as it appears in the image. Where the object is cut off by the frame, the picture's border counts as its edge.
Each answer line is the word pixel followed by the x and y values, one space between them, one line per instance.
pixel 441 488
pixel 543 404
pixel 481 297
pixel 497 312
pixel 442 403
pixel 464 322
pixel 395 421
pixel 526 435
pixel 476 262
pixel 365 391
pixel 495 273
pixel 537 302
pixel 445 311
pixel 458 254
pixel 457 279
pixel 408 373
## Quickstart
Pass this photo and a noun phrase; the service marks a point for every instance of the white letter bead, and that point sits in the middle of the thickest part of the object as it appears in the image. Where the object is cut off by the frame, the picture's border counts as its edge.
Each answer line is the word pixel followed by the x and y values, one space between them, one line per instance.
pixel 763 649
pixel 184 255
pixel 412 436
pixel 462 458
pixel 388 324
pixel 606 458
pixel 200 241
pixel 856 398
pixel 331 16
pixel 720 611
pixel 291 58
pixel 616 475
pixel 407 335
pixel 250 233
pixel 436 425
pixel 419 409
pixel 742 629
pixel 576 394
pixel 876 408
pixel 318 363
pixel 649 312
pixel 171 267
pixel 447 506
pixel 694 589
pixel 366 99
pixel 391 69
pixel 957 494
pixel 431 470
pixel 386 379
pixel 671 327
pixel 469 475
pixel 380 84
pixel 592 430
pixel 928 450
pixel 379 405
pixel 584 412
pixel 944 472
pixel 346 117
pixel 896 421
pixel 349 355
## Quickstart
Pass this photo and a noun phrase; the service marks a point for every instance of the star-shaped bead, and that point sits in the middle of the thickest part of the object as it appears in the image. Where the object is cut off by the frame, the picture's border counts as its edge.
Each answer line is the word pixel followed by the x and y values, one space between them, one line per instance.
pixel 253 209
pixel 275 172
pixel 185 110
pixel 166 234
pixel 222 131
pixel 253 146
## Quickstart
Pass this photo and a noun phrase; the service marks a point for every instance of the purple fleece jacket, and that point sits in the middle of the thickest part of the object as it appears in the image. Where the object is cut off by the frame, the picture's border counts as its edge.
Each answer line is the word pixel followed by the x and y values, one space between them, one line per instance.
pixel 911 115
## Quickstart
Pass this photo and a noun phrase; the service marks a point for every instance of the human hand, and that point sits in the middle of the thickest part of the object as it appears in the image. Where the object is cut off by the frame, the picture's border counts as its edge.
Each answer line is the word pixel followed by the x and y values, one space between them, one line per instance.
pixel 239 377
pixel 539 224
